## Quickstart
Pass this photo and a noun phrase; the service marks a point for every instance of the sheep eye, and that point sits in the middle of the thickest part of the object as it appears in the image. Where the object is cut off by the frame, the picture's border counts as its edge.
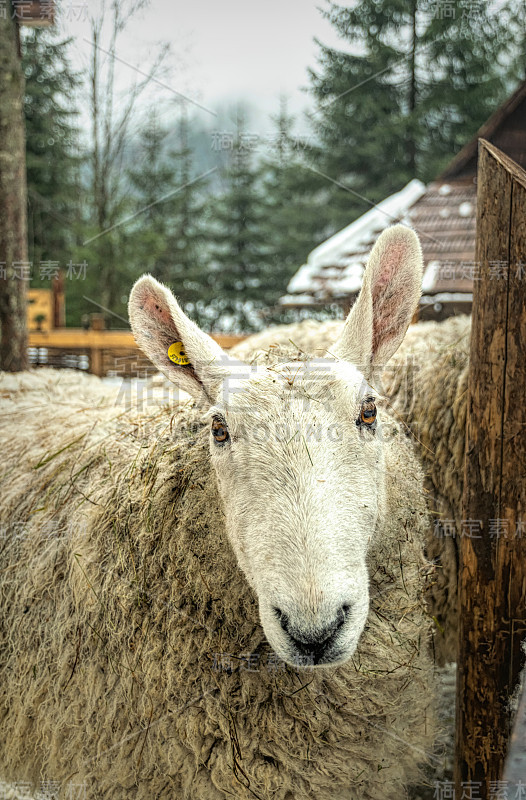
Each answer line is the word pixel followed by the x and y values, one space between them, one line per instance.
pixel 367 413
pixel 220 431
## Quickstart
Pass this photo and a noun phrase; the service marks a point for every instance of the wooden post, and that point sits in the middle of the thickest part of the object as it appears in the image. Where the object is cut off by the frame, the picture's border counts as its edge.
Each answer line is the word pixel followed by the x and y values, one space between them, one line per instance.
pixel 59 305
pixel 95 361
pixel 492 552
pixel 98 323
pixel 95 357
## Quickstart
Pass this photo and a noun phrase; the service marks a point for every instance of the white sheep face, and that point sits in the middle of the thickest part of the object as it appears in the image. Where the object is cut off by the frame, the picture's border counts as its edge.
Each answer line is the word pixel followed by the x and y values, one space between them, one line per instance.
pixel 302 484
pixel 302 480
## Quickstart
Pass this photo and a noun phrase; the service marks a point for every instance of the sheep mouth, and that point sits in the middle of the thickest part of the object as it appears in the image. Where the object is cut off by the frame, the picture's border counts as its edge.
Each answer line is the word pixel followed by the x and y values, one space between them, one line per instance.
pixel 325 656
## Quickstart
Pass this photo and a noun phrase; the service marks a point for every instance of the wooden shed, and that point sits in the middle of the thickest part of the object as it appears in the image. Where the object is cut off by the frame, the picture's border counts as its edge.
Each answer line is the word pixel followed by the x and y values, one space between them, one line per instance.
pixel 444 216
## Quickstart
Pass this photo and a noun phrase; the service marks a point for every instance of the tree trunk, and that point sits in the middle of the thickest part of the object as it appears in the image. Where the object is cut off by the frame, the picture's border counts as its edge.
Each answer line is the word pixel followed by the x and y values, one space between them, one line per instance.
pixel 411 142
pixel 13 207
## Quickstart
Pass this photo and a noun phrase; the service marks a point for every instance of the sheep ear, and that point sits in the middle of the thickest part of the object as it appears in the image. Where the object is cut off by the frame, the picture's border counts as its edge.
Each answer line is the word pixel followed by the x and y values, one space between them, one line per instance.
pixel 176 345
pixel 389 296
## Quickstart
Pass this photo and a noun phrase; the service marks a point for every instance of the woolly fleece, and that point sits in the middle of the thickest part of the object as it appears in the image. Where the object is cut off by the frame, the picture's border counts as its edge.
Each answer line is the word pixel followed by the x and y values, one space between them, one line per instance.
pixel 119 592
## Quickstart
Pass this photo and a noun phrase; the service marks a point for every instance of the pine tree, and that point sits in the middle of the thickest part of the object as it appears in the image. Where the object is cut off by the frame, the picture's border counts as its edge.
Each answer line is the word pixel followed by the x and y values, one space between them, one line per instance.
pixel 360 122
pixel 53 159
pixel 469 62
pixel 113 114
pixel 294 222
pixel 169 234
pixel 153 183
pixel 513 16
pixel 421 78
pixel 241 278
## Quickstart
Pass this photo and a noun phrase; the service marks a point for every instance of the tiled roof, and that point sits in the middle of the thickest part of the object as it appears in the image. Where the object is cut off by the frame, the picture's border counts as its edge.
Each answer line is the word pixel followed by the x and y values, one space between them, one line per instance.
pixel 334 269
pixel 444 218
pixel 443 215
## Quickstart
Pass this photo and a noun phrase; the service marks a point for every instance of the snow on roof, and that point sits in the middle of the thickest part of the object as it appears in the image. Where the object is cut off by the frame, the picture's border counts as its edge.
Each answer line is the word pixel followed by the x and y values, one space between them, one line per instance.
pixel 297 299
pixel 447 297
pixel 430 276
pixel 335 268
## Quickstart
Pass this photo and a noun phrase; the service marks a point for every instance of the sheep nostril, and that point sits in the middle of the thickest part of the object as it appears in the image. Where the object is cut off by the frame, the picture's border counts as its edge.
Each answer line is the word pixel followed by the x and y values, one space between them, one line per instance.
pixel 282 618
pixel 342 615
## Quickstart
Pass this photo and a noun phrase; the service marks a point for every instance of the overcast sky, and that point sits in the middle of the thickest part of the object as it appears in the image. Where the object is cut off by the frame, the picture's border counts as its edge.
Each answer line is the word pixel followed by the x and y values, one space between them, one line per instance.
pixel 221 51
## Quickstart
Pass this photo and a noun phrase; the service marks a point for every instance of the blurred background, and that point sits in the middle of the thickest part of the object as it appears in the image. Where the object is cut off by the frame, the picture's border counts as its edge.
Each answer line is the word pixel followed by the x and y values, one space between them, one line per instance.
pixel 217 145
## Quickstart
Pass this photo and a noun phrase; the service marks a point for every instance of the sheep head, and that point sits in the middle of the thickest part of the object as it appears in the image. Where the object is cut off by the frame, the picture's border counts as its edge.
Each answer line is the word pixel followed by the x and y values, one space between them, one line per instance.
pixel 298 452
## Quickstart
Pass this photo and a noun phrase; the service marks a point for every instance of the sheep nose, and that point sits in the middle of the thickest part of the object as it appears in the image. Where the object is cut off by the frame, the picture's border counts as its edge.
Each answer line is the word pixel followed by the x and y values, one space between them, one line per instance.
pixel 311 641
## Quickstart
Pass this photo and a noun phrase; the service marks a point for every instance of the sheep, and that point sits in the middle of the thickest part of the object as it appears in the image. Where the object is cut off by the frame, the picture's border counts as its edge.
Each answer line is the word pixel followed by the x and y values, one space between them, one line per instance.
pixel 437 417
pixel 308 336
pixel 426 384
pixel 197 605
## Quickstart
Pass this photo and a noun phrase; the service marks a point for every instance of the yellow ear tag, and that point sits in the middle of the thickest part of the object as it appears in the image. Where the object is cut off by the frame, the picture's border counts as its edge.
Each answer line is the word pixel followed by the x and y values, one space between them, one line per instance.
pixel 177 354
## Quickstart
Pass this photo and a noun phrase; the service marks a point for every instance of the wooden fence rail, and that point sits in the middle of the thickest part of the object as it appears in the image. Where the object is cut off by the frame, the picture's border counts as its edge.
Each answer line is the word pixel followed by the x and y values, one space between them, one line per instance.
pixel 106 350
pixel 492 558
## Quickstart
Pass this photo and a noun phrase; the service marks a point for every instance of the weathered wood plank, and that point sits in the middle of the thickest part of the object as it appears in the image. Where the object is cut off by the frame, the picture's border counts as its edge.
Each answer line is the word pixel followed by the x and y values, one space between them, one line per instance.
pixel 78 338
pixel 492 568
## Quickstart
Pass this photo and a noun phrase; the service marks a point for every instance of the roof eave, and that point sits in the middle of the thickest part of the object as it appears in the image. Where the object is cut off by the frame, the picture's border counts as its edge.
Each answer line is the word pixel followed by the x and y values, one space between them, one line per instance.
pixel 470 150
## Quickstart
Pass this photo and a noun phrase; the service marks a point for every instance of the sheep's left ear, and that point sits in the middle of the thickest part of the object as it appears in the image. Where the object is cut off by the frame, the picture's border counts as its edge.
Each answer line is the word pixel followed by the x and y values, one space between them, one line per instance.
pixel 389 296
pixel 176 345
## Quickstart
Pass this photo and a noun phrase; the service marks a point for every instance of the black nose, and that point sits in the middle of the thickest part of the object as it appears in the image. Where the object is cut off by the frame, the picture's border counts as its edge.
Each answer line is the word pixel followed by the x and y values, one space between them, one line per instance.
pixel 313 642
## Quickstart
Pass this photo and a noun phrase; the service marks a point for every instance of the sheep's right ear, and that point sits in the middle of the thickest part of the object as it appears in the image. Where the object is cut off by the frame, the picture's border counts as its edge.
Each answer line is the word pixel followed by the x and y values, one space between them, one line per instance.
pixel 389 296
pixel 176 345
